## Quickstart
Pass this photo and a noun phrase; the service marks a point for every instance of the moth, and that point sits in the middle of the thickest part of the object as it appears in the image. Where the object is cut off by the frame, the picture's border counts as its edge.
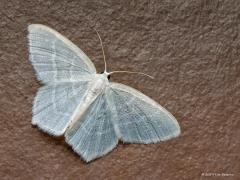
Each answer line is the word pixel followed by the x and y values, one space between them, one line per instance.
pixel 91 112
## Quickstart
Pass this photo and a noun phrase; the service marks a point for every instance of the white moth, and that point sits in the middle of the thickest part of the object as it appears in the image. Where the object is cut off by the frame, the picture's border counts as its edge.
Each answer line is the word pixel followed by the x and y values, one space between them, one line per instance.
pixel 83 106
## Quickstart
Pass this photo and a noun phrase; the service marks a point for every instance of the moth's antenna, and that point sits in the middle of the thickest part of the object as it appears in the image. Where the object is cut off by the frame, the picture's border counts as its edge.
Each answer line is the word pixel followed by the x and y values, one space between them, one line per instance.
pixel 133 72
pixel 105 64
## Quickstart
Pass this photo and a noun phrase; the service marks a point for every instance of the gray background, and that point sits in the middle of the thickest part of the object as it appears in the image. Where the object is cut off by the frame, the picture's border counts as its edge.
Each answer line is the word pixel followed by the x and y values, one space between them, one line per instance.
pixel 190 47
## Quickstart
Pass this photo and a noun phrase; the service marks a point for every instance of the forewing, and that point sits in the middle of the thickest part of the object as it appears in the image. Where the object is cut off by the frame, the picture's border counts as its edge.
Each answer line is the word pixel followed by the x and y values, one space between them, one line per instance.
pixel 54 57
pixel 93 135
pixel 140 119
pixel 55 104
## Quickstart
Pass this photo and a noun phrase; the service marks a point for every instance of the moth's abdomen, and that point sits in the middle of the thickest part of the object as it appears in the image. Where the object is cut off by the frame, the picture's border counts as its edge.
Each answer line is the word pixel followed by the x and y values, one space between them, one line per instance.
pixel 95 89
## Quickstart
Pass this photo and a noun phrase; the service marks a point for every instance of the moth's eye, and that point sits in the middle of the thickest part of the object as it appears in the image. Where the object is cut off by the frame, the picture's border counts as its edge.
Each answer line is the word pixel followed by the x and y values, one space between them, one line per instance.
pixel 101 72
pixel 108 77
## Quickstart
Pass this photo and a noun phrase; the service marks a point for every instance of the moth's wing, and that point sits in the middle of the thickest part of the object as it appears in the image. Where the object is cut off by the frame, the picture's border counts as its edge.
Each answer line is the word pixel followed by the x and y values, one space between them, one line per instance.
pixel 94 135
pixel 55 103
pixel 54 57
pixel 140 119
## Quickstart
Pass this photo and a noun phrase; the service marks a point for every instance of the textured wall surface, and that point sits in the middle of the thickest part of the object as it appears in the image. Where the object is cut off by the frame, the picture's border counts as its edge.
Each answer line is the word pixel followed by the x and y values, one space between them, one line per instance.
pixel 192 48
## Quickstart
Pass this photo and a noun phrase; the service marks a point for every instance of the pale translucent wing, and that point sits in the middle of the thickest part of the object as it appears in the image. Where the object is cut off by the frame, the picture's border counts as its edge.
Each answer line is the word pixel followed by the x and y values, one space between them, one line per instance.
pixel 54 57
pixel 93 135
pixel 140 119
pixel 55 104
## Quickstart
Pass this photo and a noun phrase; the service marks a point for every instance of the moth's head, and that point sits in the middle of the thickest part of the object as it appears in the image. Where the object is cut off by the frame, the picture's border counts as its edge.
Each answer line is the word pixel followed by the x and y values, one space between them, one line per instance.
pixel 107 74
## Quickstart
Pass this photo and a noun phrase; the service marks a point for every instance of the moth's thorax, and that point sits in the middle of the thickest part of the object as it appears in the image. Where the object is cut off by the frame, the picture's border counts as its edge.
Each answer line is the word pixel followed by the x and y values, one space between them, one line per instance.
pixel 104 77
pixel 101 82
pixel 97 87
